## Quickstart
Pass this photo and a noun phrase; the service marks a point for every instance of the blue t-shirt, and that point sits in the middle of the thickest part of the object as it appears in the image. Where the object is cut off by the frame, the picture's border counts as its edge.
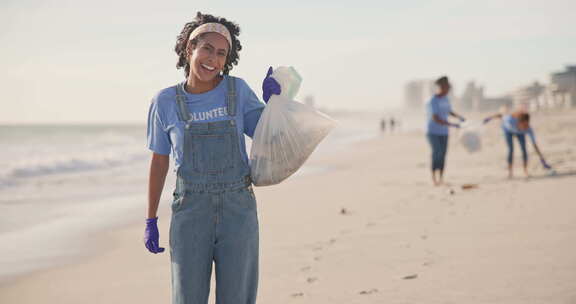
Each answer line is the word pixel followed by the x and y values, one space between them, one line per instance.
pixel 510 124
pixel 165 130
pixel 439 105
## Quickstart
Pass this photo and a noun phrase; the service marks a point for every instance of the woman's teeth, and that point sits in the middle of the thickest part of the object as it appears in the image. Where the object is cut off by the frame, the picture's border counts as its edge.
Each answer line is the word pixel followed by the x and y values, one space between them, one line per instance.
pixel 209 68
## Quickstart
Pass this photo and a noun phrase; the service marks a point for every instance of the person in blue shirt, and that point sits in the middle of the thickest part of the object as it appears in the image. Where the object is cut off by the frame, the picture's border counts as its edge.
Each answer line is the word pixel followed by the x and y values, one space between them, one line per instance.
pixel 202 121
pixel 517 124
pixel 438 110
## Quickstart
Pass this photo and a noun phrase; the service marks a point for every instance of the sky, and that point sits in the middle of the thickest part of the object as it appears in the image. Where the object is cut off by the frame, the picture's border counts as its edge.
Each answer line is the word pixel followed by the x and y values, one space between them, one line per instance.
pixel 102 61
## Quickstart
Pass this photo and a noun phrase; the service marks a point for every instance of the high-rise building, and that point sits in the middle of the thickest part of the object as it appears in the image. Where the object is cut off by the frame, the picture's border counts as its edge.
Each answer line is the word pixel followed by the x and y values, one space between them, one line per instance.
pixel 418 92
pixel 563 87
pixel 531 97
pixel 309 100
pixel 472 97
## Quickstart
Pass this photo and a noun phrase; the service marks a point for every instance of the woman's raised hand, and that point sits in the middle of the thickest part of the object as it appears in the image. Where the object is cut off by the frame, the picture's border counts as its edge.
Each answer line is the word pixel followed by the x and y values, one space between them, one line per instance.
pixel 270 86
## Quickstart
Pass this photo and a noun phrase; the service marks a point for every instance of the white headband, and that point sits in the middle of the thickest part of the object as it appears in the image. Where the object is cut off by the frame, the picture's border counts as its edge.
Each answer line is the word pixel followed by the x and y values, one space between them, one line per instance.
pixel 212 28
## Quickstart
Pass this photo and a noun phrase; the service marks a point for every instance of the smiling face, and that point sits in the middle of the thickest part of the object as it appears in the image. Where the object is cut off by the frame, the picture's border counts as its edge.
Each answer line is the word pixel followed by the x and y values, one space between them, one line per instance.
pixel 208 56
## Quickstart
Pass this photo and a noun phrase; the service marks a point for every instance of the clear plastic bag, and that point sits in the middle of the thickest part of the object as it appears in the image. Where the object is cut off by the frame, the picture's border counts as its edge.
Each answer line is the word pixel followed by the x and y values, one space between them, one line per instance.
pixel 287 132
pixel 469 137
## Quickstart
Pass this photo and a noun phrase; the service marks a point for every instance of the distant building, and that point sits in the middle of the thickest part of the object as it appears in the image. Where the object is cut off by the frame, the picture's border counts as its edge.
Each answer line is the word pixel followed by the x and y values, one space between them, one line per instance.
pixel 309 100
pixel 472 97
pixel 563 87
pixel 418 92
pixel 494 104
pixel 531 97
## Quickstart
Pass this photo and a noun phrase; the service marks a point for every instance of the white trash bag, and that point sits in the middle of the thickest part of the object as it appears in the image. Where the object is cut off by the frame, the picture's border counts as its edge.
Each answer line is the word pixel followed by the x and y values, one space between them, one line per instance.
pixel 469 137
pixel 287 132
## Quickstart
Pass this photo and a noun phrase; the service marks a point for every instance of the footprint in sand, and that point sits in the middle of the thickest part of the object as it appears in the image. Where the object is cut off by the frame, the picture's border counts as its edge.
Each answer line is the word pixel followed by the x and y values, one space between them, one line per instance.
pixel 305 268
pixel 317 258
pixel 311 280
pixel 332 241
pixel 367 292
pixel 297 294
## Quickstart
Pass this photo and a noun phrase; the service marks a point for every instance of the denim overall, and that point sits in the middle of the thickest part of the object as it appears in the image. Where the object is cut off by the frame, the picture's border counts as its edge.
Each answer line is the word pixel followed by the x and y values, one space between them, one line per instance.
pixel 214 215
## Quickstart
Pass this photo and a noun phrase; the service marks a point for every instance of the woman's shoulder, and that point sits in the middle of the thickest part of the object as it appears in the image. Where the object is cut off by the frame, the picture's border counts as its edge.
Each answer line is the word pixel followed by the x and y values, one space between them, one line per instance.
pixel 165 97
pixel 241 84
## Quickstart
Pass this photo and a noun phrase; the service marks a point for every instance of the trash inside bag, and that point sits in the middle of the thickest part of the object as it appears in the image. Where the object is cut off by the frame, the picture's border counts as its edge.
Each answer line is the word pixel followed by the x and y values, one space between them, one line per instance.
pixel 287 132
pixel 470 137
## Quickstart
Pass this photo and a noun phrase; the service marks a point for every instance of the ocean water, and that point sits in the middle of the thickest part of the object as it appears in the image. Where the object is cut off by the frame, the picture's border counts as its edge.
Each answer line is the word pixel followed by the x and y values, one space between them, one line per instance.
pixel 60 185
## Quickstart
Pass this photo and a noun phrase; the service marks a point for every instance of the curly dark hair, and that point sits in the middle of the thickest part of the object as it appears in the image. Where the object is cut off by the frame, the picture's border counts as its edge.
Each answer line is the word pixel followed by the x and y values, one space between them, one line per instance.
pixel 524 117
pixel 182 41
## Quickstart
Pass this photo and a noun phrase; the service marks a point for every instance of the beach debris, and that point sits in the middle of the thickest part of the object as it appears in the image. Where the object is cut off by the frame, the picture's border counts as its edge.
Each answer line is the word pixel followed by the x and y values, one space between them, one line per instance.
pixel 311 280
pixel 451 191
pixel 297 294
pixel 344 211
pixel 367 292
pixel 410 277
pixel 469 186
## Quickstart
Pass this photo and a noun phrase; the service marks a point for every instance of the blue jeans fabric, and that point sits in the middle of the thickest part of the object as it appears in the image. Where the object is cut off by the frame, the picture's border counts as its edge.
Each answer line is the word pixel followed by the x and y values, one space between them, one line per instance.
pixel 439 145
pixel 510 143
pixel 214 215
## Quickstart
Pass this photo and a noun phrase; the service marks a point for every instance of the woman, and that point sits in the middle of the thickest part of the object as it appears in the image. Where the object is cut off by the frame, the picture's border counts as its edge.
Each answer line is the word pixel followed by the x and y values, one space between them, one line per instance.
pixel 202 122
pixel 517 125
pixel 438 109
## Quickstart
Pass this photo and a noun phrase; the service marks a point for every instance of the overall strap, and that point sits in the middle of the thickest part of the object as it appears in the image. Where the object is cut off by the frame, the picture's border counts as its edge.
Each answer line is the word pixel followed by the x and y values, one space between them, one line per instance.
pixel 183 113
pixel 231 96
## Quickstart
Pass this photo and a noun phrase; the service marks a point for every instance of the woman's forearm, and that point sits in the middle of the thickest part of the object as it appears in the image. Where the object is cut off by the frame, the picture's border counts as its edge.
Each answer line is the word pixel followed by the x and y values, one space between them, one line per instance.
pixel 457 115
pixel 489 118
pixel 440 121
pixel 158 170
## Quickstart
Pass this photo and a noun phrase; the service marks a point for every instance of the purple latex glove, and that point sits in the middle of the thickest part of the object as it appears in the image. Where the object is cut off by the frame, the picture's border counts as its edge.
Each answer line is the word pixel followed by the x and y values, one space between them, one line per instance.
pixel 270 86
pixel 151 236
pixel 545 164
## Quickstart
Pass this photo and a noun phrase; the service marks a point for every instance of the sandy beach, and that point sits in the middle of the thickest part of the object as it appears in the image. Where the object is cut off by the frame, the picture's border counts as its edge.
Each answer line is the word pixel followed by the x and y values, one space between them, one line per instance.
pixel 371 228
